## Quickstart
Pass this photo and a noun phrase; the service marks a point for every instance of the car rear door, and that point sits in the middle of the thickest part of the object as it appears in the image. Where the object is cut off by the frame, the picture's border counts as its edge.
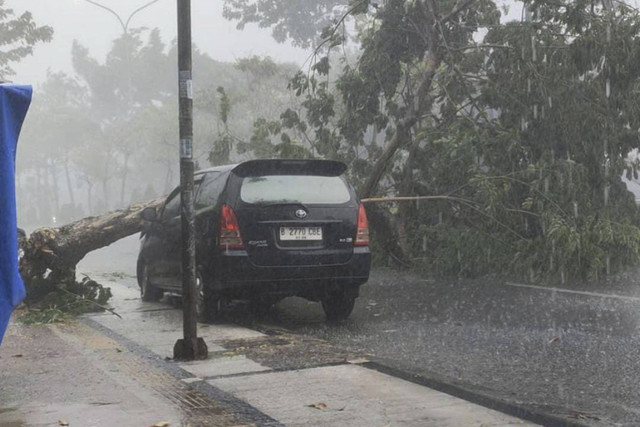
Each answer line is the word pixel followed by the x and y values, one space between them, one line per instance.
pixel 295 213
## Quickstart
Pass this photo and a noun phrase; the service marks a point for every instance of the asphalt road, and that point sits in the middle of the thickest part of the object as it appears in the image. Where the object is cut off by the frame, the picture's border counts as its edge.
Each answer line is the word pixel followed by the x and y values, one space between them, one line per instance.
pixel 575 354
pixel 572 353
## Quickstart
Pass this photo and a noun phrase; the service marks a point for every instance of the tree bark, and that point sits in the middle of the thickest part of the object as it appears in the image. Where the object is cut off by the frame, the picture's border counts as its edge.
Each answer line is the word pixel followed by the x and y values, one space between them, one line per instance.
pixel 380 165
pixel 384 234
pixel 407 211
pixel 52 253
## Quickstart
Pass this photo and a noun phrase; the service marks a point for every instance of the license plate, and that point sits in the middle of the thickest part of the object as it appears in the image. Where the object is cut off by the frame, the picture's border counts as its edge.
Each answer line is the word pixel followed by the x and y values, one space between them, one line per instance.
pixel 300 233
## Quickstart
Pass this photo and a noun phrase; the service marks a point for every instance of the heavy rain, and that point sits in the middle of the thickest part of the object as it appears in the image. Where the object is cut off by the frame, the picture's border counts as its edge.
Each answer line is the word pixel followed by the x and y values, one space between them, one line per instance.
pixel 405 212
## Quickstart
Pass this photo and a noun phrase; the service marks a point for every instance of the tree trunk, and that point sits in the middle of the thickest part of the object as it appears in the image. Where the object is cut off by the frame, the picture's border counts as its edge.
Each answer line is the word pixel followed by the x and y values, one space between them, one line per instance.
pixel 105 192
pixel 407 210
pixel 54 183
pixel 402 129
pixel 381 222
pixel 168 178
pixel 125 170
pixel 51 254
pixel 68 178
pixel 40 216
pixel 418 105
pixel 89 198
pixel 384 234
pixel 105 183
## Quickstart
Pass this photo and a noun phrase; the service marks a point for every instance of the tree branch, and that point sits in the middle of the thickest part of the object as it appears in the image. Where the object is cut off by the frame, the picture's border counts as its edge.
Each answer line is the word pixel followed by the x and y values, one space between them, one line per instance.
pixel 459 7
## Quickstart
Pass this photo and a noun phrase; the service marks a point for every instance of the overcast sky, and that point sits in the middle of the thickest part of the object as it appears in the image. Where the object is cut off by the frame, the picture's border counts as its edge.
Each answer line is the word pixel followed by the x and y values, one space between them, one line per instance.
pixel 96 28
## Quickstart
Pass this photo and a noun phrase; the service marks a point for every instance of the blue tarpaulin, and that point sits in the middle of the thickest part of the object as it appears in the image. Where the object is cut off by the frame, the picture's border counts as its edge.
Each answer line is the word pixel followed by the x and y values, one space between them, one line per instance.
pixel 14 103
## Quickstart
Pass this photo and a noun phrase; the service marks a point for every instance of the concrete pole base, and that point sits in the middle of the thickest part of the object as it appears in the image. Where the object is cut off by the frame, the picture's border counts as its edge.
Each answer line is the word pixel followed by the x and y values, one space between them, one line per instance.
pixel 194 350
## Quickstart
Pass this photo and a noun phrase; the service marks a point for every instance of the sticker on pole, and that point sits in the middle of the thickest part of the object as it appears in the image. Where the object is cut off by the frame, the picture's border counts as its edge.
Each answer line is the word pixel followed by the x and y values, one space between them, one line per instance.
pixel 186 85
pixel 186 148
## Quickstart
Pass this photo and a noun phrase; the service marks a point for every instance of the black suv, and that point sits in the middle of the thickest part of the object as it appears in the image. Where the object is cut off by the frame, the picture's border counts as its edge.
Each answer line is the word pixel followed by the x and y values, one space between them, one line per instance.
pixel 265 230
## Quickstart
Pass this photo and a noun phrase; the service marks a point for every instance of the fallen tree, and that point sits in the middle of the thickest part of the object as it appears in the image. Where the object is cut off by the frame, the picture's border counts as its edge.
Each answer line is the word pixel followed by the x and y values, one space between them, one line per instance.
pixel 49 255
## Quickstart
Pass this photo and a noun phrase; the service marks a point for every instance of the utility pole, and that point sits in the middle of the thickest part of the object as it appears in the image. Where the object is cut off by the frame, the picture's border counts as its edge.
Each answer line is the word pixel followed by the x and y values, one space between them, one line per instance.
pixel 190 347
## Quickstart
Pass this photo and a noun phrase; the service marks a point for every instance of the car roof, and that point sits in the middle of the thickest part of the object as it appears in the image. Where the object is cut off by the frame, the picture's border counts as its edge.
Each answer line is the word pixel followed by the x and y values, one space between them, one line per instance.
pixel 266 166
pixel 280 166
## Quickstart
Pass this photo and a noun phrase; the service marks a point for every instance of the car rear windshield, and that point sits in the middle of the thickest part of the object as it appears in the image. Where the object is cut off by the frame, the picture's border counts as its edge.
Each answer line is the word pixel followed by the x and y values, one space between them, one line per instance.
pixel 307 189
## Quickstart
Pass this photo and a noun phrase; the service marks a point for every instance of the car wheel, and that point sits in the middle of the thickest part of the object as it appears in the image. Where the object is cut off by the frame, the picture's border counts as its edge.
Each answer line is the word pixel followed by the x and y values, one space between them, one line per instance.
pixel 338 306
pixel 148 292
pixel 209 306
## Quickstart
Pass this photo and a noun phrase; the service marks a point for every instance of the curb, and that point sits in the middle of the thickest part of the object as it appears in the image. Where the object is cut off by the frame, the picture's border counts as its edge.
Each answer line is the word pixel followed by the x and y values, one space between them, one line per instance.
pixel 490 402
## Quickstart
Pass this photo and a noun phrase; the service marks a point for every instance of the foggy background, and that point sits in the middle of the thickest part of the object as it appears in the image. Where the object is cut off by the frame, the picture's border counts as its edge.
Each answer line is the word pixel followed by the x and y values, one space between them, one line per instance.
pixel 82 154
pixel 97 28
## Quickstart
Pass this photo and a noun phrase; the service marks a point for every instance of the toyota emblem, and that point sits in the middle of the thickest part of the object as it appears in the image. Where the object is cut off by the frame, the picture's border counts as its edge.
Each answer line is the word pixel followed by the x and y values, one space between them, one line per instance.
pixel 301 213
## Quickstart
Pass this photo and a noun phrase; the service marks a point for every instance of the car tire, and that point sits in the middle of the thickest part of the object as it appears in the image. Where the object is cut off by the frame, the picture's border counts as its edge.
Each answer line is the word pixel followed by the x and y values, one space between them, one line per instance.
pixel 148 292
pixel 338 306
pixel 209 306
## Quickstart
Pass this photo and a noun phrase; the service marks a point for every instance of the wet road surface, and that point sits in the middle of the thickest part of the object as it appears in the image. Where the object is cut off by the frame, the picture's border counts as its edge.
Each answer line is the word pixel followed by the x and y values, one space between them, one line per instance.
pixel 574 354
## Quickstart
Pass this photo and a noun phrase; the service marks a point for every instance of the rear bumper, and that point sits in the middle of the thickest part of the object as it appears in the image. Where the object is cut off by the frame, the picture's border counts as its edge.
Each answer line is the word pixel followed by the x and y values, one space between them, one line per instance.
pixel 234 273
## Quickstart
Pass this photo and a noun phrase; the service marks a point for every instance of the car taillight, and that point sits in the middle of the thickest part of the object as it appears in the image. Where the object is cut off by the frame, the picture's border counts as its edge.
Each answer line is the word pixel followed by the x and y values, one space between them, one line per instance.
pixel 229 229
pixel 362 235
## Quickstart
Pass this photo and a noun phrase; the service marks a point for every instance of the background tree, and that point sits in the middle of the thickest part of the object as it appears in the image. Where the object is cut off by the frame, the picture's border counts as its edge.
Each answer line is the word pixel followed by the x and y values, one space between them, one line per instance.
pixel 517 131
pixel 18 36
pixel 573 70
pixel 299 21
pixel 89 133
pixel 248 109
pixel 50 139
pixel 122 90
pixel 397 84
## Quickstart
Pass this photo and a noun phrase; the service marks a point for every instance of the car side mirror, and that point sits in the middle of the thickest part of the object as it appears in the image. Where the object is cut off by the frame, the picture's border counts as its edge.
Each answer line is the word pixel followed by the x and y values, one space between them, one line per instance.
pixel 150 214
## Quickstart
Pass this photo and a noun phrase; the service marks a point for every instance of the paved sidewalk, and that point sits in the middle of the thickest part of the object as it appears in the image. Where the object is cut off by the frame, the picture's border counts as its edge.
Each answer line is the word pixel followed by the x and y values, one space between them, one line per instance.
pixel 53 375
pixel 109 371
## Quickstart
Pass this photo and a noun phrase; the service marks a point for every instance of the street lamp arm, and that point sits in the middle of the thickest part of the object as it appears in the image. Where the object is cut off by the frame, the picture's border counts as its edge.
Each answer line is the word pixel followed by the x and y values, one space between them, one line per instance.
pixel 124 27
